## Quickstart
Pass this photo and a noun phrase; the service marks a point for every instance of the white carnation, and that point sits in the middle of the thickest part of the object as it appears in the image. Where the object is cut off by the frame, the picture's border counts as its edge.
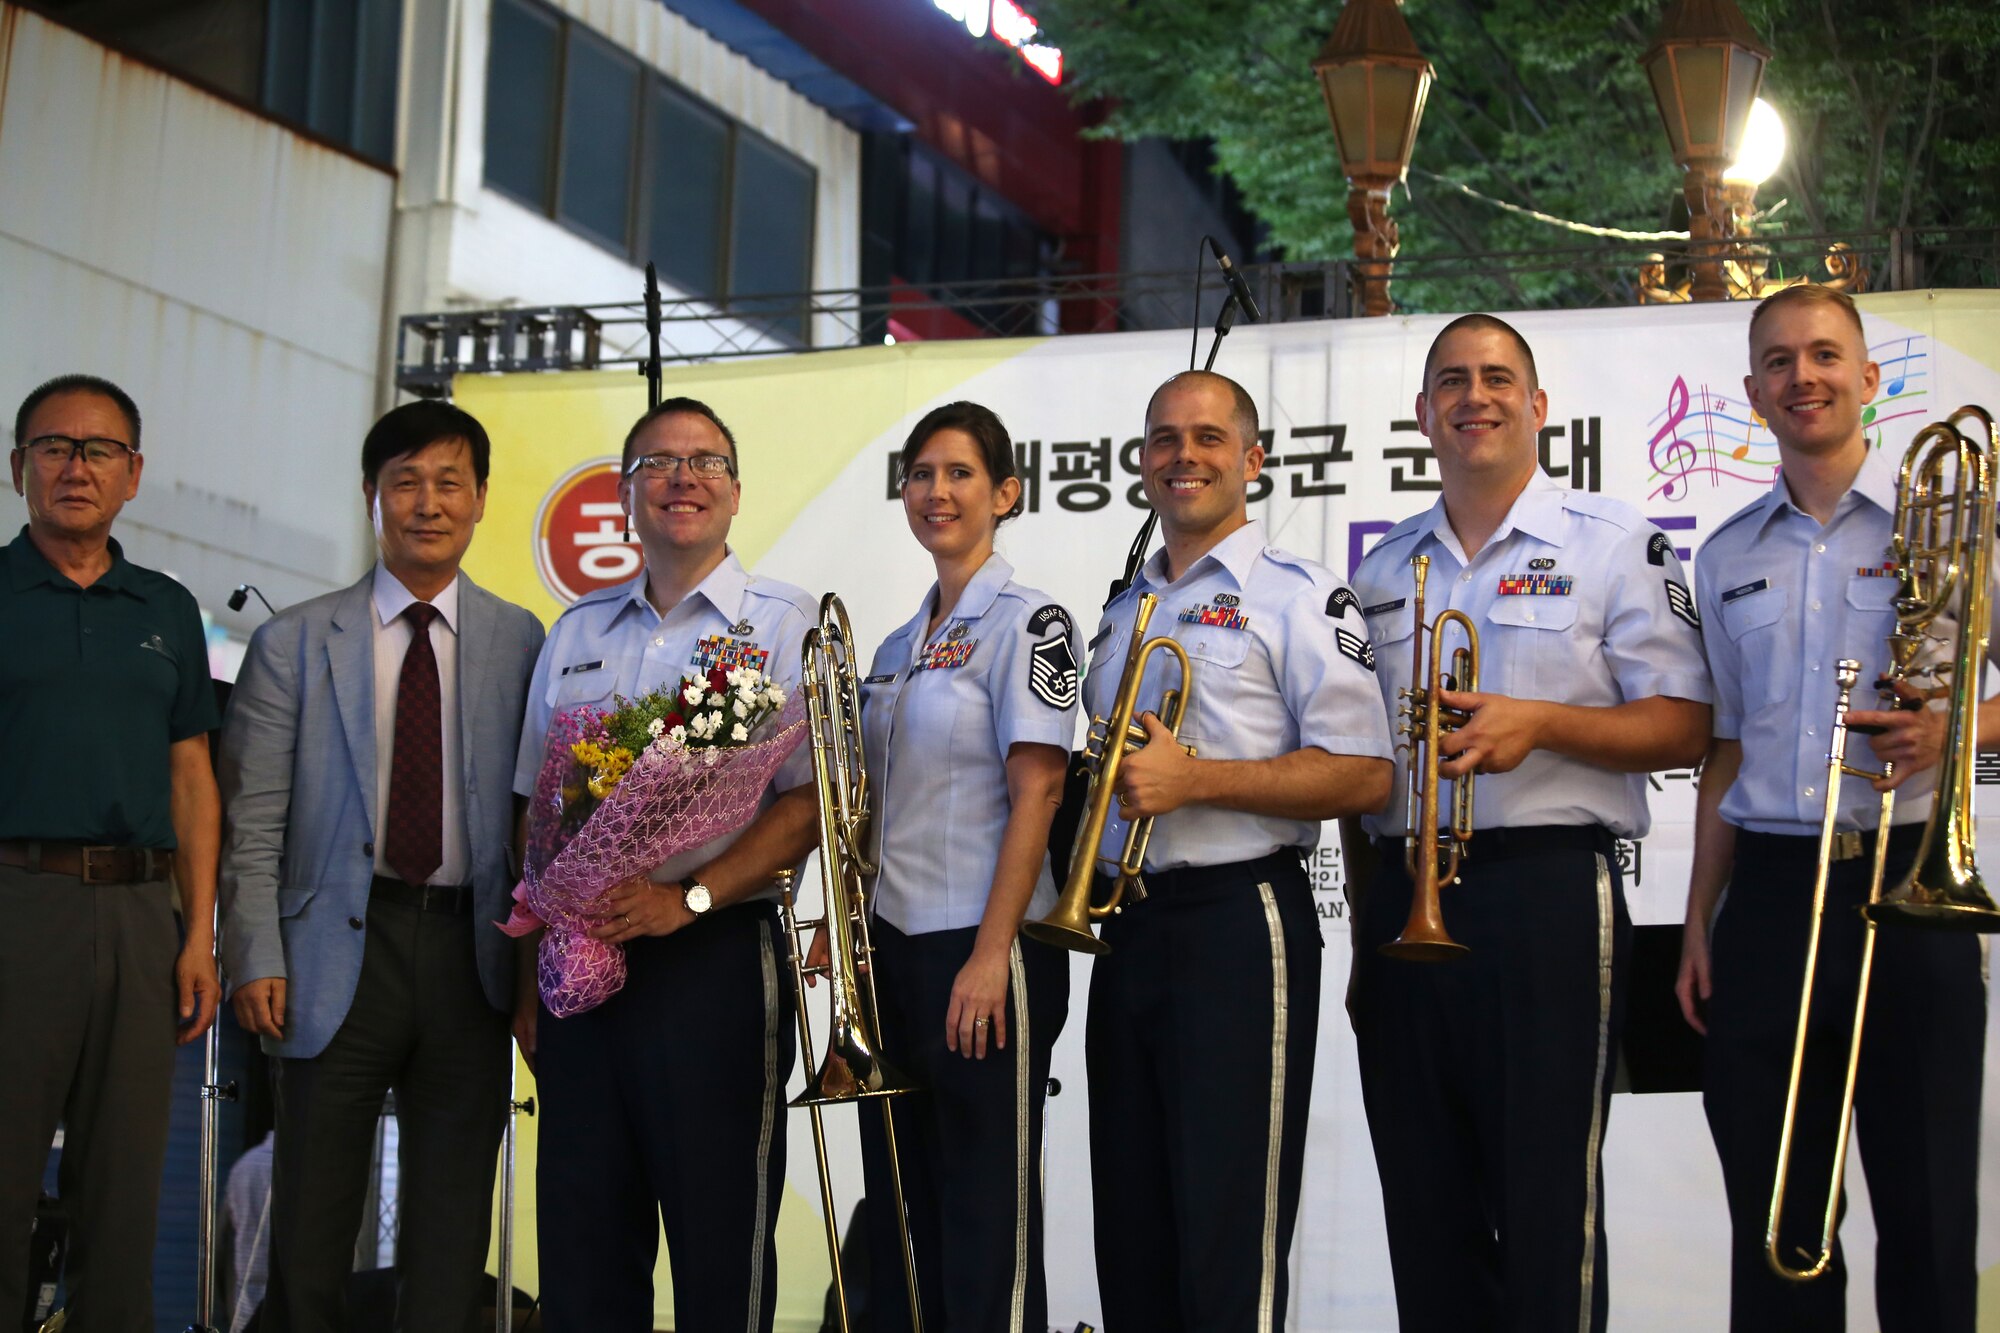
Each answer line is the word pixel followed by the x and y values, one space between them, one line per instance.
pixel 774 695
pixel 739 709
pixel 657 727
pixel 715 701
pixel 739 733
pixel 692 694
pixel 678 735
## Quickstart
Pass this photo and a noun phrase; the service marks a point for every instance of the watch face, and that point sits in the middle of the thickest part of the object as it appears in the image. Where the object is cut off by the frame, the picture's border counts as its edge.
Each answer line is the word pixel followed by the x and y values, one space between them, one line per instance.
pixel 697 898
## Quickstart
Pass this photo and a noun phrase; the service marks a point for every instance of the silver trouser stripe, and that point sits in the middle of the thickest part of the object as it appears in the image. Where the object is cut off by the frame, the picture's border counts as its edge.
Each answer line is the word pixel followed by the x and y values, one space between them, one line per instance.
pixel 1267 1288
pixel 1594 1148
pixel 1018 1310
pixel 769 965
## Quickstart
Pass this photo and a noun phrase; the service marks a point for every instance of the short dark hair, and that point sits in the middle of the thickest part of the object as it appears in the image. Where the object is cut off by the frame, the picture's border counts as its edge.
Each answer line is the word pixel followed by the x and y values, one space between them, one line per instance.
pixel 996 446
pixel 63 384
pixel 669 407
pixel 1244 407
pixel 1478 321
pixel 413 426
pixel 1809 294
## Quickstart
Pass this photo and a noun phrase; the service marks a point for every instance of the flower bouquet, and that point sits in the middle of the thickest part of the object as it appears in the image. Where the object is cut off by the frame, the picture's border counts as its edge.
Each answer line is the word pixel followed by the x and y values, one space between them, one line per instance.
pixel 622 790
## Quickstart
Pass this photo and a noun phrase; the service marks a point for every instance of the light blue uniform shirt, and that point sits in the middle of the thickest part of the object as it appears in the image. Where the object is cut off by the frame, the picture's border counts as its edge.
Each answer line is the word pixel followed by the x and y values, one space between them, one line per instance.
pixel 613 642
pixel 1579 600
pixel 939 716
pixel 1281 662
pixel 1784 600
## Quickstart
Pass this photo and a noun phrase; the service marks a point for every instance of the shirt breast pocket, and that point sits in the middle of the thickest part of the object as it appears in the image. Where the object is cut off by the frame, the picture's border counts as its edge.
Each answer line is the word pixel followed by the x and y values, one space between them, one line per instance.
pixel 1529 651
pixel 1766 653
pixel 582 687
pixel 1213 660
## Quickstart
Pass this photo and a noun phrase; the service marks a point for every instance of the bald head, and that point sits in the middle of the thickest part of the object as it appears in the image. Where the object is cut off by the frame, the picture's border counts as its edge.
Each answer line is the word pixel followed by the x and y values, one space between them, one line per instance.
pixel 1243 413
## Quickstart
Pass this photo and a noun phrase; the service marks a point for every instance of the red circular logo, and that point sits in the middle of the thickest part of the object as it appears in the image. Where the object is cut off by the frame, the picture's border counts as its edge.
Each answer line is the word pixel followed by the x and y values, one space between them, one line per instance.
pixel 579 533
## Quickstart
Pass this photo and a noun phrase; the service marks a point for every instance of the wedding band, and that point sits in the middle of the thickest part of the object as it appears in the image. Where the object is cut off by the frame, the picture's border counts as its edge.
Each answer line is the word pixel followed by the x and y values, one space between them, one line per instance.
pixel 981 1022
pixel 627 918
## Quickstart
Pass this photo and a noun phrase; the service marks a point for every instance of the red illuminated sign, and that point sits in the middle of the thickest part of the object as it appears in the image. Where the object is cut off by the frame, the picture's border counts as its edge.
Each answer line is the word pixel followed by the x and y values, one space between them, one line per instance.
pixel 579 533
pixel 1007 22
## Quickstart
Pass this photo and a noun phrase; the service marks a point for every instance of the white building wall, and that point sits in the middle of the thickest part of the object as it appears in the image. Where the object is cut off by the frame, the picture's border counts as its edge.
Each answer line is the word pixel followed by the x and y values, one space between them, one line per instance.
pixel 225 271
pixel 461 245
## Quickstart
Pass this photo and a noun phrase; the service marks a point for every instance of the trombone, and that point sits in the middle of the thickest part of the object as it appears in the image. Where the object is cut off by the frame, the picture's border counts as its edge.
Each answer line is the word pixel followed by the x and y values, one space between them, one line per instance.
pixel 854 1067
pixel 1424 938
pixel 1068 926
pixel 1942 546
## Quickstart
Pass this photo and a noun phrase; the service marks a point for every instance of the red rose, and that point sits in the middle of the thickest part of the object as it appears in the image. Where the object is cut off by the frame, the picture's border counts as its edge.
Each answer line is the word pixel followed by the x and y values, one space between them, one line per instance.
pixel 673 720
pixel 718 680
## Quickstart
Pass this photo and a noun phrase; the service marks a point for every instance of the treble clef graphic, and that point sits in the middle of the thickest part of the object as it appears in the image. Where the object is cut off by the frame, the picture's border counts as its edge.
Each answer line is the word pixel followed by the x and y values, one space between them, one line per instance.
pixel 1673 457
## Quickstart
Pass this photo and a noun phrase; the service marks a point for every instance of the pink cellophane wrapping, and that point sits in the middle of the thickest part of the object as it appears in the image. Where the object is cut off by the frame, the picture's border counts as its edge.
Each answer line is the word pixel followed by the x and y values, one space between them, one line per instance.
pixel 666 804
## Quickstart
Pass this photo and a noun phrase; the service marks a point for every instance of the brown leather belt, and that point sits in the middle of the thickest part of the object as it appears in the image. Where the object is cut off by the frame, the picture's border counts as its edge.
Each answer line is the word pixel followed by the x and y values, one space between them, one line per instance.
pixel 92 865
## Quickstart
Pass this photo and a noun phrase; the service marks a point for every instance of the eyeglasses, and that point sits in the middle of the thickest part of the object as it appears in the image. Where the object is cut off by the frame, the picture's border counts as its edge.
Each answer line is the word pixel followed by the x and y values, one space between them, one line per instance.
pixel 709 467
pixel 55 451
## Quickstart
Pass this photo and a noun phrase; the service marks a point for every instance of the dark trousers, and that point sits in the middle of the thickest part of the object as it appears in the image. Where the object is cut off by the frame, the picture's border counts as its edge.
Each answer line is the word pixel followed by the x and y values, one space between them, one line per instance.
pixel 420 1025
pixel 87 1018
pixel 970 1143
pixel 666 1105
pixel 1487 1082
pixel 1916 1095
pixel 1200 1039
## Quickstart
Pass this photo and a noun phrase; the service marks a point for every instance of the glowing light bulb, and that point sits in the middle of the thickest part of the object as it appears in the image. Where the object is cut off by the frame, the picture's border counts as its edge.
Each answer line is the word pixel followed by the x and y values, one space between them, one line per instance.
pixel 1763 147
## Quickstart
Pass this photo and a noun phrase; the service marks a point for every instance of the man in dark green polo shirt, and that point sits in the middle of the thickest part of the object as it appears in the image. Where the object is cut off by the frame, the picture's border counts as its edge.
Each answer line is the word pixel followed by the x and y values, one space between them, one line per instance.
pixel 105 792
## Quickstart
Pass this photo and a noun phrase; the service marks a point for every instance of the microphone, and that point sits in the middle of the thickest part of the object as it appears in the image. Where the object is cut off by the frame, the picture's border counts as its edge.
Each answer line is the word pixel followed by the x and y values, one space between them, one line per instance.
pixel 238 598
pixel 1238 288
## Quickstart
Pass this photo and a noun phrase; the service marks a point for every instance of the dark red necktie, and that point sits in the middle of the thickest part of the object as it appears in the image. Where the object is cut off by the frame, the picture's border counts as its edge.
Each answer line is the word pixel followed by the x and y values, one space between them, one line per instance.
pixel 413 829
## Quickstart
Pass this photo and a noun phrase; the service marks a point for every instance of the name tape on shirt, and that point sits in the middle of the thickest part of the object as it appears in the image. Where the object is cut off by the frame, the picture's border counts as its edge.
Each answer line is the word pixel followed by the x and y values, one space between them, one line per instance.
pixel 1756 585
pixel 1355 647
pixel 730 654
pixel 1536 585
pixel 1384 608
pixel 1681 602
pixel 883 679
pixel 1342 599
pixel 583 666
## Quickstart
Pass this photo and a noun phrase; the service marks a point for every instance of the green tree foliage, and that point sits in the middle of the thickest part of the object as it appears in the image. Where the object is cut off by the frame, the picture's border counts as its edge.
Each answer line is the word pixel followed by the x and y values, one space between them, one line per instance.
pixel 1542 103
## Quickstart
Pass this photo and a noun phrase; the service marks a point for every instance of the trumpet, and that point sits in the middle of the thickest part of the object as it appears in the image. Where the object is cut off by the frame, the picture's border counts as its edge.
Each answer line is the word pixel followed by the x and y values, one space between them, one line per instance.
pixel 854 1066
pixel 1068 926
pixel 1424 938
pixel 1942 545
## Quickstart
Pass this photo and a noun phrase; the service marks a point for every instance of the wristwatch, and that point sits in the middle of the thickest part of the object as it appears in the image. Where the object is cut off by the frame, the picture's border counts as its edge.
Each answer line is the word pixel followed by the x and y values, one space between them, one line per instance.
pixel 696 896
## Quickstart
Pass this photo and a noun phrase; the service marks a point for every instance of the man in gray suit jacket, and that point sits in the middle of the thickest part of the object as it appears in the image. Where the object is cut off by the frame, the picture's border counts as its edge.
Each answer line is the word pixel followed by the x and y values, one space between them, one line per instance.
pixel 367 763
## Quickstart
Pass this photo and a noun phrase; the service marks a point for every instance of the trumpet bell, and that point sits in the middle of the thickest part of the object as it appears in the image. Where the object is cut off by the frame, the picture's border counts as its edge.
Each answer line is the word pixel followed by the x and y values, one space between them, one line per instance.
pixel 1424 939
pixel 1067 927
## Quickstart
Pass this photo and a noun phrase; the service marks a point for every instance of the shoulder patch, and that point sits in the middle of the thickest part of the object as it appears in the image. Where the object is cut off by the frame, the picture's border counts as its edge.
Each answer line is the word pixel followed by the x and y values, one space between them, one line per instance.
pixel 1052 674
pixel 1658 549
pixel 1681 602
pixel 1341 602
pixel 1355 647
pixel 1051 614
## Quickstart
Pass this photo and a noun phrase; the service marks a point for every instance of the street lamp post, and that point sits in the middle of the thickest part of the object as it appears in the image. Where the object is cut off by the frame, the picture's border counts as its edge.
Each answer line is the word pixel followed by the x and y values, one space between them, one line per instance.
pixel 1374 80
pixel 1705 65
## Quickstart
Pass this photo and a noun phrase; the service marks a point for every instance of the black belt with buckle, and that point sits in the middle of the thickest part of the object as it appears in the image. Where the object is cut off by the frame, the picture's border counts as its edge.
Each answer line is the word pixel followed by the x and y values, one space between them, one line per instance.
pixel 451 899
pixel 1848 844
pixel 92 865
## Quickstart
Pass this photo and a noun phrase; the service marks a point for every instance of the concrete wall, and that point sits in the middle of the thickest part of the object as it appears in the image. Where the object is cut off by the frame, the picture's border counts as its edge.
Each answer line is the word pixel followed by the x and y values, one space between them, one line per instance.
pixel 229 274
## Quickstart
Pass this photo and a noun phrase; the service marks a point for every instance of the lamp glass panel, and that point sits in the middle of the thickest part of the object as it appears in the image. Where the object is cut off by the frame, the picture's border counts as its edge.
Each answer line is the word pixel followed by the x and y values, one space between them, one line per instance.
pixel 1745 71
pixel 1395 103
pixel 1700 71
pixel 1661 71
pixel 1347 95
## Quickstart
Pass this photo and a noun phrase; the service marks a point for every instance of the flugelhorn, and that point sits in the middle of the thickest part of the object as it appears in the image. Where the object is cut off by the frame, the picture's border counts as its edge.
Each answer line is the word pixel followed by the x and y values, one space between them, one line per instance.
pixel 1942 549
pixel 1425 719
pixel 854 1066
pixel 1068 926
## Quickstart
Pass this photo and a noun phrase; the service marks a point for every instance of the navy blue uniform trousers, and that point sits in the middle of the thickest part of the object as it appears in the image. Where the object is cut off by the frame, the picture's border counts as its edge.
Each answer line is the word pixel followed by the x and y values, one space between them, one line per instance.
pixel 970 1143
pixel 1916 1095
pixel 665 1105
pixel 1200 1040
pixel 1487 1082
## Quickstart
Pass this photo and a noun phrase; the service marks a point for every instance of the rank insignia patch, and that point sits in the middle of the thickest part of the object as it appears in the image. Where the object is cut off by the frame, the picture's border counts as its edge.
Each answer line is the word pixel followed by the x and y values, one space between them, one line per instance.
pixel 1052 672
pixel 1342 599
pixel 1221 612
pixel 1356 647
pixel 719 650
pixel 945 655
pixel 1536 585
pixel 1681 602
